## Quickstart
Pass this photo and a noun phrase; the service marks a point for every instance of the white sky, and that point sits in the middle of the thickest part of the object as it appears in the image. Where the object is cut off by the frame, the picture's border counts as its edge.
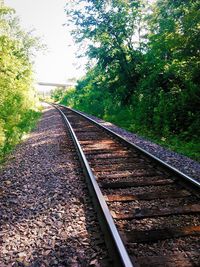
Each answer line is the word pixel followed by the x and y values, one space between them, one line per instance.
pixel 47 18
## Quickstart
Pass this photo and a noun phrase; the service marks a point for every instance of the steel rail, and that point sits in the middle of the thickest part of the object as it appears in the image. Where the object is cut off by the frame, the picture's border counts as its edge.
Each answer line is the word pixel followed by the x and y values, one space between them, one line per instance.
pixel 114 242
pixel 170 168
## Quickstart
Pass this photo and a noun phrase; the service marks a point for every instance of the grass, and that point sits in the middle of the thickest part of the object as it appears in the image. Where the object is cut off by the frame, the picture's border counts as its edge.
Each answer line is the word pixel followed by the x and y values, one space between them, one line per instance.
pixel 26 126
pixel 175 143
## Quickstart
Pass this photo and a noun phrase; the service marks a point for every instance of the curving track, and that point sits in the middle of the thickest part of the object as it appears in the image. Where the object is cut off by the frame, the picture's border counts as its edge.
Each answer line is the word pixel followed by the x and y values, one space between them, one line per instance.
pixel 155 208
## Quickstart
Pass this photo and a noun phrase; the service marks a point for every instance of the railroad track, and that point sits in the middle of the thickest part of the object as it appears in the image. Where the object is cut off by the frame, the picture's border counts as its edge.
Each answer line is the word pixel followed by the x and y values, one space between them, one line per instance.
pixel 149 211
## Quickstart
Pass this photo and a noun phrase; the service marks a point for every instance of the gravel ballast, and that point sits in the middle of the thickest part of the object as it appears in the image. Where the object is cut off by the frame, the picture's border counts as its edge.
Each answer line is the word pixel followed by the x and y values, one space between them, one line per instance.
pixel 178 161
pixel 132 203
pixel 47 218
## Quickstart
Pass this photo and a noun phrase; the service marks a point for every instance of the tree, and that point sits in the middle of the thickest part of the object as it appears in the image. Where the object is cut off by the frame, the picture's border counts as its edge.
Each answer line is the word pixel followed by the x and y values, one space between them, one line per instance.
pixel 150 85
pixel 108 28
pixel 172 63
pixel 17 96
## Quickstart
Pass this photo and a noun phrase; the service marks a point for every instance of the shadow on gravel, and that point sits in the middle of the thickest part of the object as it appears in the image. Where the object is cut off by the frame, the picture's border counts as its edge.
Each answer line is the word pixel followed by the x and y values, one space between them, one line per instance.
pixel 46 216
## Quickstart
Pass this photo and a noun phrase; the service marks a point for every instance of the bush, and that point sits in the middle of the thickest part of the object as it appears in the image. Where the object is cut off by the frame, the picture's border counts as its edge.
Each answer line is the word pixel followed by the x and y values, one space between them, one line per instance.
pixel 17 96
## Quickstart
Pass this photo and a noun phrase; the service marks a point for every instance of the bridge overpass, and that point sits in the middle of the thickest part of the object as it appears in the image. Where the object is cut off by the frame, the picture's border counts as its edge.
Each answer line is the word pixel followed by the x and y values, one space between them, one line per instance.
pixel 63 85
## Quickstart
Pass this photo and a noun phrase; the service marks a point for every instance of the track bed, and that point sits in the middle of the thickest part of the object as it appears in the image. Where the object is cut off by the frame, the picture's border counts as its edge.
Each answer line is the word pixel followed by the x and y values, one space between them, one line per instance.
pixel 46 214
pixel 156 212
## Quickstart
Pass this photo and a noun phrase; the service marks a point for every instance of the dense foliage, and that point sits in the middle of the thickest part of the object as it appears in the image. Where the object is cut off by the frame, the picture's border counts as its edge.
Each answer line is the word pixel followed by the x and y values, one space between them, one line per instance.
pixel 144 66
pixel 17 97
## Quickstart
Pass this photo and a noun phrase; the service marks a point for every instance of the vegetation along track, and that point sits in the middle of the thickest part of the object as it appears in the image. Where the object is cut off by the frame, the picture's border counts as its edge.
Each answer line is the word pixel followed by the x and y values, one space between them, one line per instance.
pixel 155 208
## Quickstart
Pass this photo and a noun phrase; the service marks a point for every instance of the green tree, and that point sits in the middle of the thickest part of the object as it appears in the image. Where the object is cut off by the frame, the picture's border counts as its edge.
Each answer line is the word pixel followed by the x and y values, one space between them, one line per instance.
pixel 17 96
pixel 109 28
pixel 171 65
pixel 145 59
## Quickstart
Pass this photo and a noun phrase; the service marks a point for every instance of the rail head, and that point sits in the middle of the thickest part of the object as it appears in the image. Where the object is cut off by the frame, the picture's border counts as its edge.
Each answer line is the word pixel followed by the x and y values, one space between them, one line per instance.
pixel 122 257
pixel 167 166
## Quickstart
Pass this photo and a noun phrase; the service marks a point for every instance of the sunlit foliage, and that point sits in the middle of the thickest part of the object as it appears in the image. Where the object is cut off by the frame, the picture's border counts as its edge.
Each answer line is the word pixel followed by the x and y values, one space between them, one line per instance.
pixel 17 97
pixel 146 75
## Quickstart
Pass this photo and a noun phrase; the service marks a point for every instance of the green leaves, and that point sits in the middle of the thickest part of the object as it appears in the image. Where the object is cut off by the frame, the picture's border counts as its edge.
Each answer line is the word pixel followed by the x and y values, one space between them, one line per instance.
pixel 16 97
pixel 146 76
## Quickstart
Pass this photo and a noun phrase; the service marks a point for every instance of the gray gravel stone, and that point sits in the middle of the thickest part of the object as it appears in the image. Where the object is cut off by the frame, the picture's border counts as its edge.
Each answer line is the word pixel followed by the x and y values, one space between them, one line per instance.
pixel 178 161
pixel 45 217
